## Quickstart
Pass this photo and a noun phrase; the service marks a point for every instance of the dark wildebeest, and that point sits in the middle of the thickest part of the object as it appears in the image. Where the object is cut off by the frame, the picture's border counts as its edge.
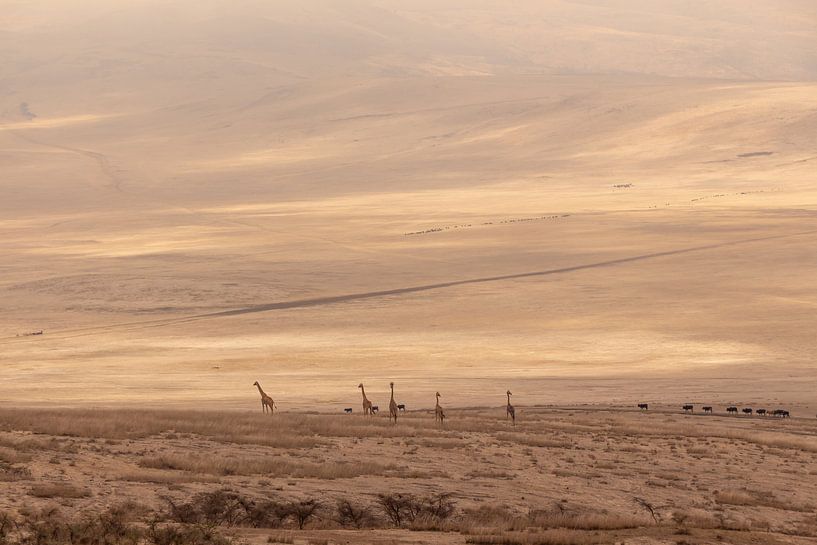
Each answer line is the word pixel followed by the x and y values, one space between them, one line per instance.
pixel 707 409
pixel 781 413
pixel 643 406
pixel 732 410
pixel 747 410
pixel 401 407
pixel 689 408
pixel 375 409
pixel 761 412
pixel 347 410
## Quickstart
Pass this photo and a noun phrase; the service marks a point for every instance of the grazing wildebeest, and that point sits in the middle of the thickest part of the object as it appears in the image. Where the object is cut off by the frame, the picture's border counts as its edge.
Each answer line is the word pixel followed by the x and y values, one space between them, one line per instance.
pixel 375 409
pixel 707 409
pixel 731 410
pixel 688 408
pixel 348 410
pixel 747 410
pixel 781 413
pixel 761 412
pixel 644 406
pixel 401 407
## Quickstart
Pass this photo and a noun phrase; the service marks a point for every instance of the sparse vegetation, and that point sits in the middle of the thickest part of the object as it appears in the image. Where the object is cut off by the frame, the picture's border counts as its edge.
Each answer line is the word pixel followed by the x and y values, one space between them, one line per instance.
pixel 405 509
pixel 58 490
pixel 239 485
pixel 350 515
pixel 270 466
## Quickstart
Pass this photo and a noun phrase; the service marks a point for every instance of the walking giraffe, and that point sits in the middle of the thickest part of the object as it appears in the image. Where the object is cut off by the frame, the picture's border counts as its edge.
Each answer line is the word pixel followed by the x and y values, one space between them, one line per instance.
pixel 266 401
pixel 392 405
pixel 367 405
pixel 439 415
pixel 509 410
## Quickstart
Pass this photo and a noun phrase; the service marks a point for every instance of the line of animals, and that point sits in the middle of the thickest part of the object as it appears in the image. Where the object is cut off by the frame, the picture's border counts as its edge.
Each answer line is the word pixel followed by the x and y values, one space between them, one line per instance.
pixel 369 409
pixel 268 405
pixel 689 408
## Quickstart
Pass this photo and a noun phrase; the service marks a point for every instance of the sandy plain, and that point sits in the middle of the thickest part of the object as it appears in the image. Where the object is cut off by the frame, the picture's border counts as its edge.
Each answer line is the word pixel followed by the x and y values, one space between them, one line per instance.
pixel 587 202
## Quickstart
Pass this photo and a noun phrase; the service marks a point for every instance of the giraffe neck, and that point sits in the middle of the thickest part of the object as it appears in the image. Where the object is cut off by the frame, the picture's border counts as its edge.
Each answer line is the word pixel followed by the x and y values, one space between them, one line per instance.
pixel 363 391
pixel 260 391
pixel 392 393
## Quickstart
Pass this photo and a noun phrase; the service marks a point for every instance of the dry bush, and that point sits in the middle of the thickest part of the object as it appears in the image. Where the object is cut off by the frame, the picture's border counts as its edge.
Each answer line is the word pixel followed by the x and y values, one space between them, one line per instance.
pixel 198 534
pixel 427 512
pixel 265 514
pixel 227 508
pixel 221 507
pixel 10 473
pixel 302 511
pixel 7 524
pixel 49 527
pixel 350 516
pixel 13 456
pixel 399 508
pixel 57 490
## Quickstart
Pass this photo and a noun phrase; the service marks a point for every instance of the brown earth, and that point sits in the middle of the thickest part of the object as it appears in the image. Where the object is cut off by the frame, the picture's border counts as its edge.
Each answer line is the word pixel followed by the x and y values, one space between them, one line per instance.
pixel 577 475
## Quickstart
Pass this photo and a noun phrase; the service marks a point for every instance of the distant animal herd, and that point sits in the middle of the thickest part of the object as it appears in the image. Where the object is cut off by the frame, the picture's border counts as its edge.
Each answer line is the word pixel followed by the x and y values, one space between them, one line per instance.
pixel 748 411
pixel 268 405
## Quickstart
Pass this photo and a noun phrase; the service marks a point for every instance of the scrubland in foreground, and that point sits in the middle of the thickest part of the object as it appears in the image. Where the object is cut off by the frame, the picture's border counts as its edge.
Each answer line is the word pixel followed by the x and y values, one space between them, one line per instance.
pixel 571 476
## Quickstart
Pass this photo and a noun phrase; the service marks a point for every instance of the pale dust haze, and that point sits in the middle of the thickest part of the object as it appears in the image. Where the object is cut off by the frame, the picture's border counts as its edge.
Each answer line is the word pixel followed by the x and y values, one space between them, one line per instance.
pixel 195 195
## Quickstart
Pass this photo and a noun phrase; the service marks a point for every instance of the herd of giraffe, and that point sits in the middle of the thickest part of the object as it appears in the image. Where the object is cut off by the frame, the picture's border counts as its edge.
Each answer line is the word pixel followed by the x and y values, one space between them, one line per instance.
pixel 267 404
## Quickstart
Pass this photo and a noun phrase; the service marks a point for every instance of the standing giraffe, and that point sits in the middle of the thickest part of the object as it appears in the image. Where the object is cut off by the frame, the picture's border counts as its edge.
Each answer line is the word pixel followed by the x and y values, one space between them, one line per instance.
pixel 367 405
pixel 392 405
pixel 266 401
pixel 439 415
pixel 509 411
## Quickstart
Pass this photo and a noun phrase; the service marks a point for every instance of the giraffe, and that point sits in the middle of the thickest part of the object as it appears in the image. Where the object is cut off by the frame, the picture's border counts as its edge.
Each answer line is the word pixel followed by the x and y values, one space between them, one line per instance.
pixel 439 415
pixel 509 411
pixel 392 405
pixel 266 401
pixel 367 405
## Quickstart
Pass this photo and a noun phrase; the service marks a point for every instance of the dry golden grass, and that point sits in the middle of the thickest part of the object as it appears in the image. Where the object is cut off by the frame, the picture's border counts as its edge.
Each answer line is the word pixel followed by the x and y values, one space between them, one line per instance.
pixel 559 536
pixel 132 424
pixel 274 466
pixel 155 476
pixel 13 456
pixel 559 477
pixel 58 490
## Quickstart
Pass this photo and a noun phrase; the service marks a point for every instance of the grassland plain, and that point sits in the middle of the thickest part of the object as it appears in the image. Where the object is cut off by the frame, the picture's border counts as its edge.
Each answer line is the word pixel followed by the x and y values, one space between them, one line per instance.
pixel 561 475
